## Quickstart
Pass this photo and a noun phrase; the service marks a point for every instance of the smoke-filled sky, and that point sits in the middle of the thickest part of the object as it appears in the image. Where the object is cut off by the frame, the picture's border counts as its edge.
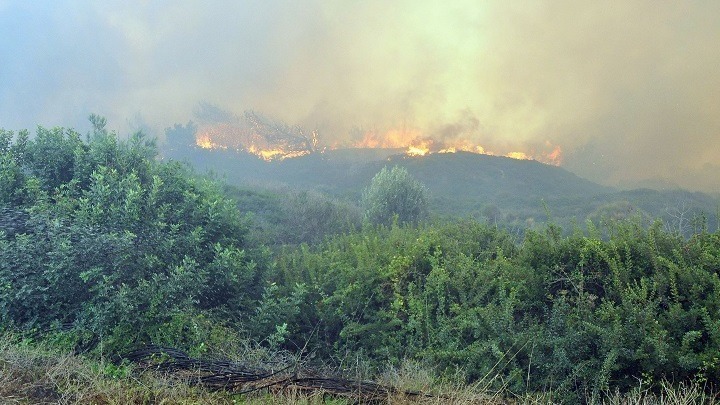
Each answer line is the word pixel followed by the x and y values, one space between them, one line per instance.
pixel 629 89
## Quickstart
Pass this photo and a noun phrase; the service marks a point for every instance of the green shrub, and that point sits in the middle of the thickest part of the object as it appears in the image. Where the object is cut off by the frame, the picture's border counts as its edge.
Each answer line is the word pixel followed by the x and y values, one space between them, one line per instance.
pixel 108 239
pixel 394 193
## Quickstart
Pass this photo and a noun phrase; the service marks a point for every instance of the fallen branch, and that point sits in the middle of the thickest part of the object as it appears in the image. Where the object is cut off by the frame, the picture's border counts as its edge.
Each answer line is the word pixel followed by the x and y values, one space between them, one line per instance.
pixel 237 377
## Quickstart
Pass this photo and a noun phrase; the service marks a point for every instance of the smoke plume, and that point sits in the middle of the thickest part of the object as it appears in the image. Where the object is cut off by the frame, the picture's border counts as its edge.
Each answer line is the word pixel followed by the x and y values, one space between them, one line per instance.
pixel 629 90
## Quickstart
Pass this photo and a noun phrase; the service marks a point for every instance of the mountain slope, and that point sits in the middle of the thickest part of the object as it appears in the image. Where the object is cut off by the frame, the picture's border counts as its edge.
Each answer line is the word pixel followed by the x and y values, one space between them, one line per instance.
pixel 463 183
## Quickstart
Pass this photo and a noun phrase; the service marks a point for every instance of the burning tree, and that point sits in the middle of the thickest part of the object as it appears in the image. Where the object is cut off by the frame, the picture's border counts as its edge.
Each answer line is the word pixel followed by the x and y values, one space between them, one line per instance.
pixel 252 133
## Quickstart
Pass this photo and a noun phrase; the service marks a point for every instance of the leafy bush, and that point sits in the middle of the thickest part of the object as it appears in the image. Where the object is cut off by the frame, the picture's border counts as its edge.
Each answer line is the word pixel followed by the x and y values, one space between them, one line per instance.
pixel 394 192
pixel 106 238
pixel 576 313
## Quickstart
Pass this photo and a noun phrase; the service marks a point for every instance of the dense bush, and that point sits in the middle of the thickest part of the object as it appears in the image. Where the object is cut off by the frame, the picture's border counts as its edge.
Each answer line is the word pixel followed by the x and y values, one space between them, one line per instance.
pixel 394 193
pixel 282 216
pixel 575 314
pixel 100 236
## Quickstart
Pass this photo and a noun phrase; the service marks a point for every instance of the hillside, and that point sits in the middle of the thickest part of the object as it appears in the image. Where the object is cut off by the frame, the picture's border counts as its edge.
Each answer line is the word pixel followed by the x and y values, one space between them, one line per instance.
pixel 499 189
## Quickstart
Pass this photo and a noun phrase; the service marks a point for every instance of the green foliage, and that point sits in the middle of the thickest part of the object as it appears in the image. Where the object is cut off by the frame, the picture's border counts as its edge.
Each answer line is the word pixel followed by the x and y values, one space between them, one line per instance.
pixel 576 314
pixel 290 217
pixel 308 217
pixel 459 184
pixel 399 291
pixel 275 311
pixel 102 243
pixel 392 193
pixel 99 235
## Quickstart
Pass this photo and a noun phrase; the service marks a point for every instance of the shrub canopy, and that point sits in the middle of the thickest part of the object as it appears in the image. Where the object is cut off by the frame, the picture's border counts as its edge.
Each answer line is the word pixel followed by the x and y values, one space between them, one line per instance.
pixel 395 193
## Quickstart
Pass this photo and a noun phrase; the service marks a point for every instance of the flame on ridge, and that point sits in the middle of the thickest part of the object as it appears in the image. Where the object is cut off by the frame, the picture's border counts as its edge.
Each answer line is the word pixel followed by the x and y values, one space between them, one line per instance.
pixel 415 145
pixel 256 135
pixel 270 143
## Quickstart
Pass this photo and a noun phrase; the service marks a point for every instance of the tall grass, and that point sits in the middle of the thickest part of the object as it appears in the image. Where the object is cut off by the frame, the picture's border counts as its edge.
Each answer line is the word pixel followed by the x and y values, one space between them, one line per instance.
pixel 33 373
pixel 37 374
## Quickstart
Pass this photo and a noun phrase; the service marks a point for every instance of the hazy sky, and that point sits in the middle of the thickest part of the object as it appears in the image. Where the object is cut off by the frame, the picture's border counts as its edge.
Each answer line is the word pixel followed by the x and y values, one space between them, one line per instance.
pixel 629 89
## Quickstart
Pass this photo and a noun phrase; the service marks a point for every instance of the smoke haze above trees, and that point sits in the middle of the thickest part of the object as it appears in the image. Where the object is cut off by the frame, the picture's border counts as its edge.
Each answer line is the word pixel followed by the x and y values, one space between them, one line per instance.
pixel 629 90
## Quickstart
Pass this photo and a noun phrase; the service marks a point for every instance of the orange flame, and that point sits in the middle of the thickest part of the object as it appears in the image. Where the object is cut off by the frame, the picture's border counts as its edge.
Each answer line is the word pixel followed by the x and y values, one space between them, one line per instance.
pixel 555 157
pixel 204 141
pixel 518 156
pixel 269 148
pixel 227 135
pixel 392 139
pixel 416 145
pixel 420 149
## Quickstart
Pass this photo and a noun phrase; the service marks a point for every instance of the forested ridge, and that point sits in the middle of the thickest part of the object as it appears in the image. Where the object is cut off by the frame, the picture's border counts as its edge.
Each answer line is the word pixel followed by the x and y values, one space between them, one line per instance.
pixel 105 248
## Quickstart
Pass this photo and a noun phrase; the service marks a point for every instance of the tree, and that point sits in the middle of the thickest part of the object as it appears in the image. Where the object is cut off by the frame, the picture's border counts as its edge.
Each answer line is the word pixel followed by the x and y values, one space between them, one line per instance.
pixel 395 192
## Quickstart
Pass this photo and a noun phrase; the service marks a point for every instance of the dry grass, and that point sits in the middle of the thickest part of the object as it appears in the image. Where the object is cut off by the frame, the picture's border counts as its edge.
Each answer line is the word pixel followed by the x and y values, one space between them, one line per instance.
pixel 37 375
pixel 415 377
pixel 33 374
pixel 679 394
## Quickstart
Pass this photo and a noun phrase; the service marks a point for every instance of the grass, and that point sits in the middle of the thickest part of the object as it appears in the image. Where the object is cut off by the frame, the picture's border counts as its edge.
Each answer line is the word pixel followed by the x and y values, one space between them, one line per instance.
pixel 33 374
pixel 680 394
pixel 37 374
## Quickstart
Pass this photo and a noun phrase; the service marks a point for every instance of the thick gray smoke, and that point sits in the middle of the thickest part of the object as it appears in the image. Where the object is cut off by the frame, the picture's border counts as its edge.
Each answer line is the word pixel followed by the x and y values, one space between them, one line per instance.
pixel 629 90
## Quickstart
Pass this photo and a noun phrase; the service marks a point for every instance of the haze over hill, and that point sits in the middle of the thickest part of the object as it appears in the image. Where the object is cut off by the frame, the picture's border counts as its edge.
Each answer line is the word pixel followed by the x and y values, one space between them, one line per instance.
pixel 497 188
pixel 628 91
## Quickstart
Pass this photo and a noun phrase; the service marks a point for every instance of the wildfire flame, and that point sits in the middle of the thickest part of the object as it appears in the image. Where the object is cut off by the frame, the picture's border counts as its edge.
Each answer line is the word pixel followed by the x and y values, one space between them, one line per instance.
pixel 420 149
pixel 518 155
pixel 256 135
pixel 205 142
pixel 276 142
pixel 555 156
pixel 416 145
pixel 392 139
